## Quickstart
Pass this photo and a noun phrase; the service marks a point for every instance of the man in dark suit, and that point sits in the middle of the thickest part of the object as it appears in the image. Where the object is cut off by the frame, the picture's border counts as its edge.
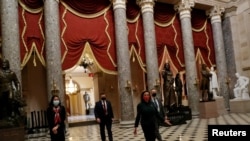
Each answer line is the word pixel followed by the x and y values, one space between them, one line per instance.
pixel 159 106
pixel 104 116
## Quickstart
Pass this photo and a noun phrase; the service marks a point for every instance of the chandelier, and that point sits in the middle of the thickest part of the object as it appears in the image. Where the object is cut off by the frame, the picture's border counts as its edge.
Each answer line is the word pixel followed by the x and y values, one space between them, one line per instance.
pixel 86 62
pixel 71 87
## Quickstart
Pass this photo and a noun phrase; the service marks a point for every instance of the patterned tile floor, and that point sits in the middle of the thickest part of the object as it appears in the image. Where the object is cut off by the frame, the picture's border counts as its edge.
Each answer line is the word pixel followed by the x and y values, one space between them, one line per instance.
pixel 193 130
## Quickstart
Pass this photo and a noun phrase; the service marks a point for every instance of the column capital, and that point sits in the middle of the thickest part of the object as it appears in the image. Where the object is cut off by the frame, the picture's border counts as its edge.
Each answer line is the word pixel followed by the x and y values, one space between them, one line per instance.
pixel 230 11
pixel 119 4
pixel 215 13
pixel 146 5
pixel 184 5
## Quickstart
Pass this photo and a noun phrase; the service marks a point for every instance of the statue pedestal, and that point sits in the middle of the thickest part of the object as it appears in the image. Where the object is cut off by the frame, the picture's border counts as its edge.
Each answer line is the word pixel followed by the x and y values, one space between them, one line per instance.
pixel 220 105
pixel 240 105
pixel 12 134
pixel 208 109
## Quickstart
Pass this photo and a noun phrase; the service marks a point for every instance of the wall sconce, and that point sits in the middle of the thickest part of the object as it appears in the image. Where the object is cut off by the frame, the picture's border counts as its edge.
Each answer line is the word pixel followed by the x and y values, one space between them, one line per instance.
pixel 196 83
pixel 135 88
pixel 128 84
pixel 228 80
pixel 157 83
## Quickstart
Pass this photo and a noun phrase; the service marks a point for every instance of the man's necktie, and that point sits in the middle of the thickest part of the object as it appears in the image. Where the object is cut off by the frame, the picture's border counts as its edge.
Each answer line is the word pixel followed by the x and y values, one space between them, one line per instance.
pixel 105 108
pixel 156 104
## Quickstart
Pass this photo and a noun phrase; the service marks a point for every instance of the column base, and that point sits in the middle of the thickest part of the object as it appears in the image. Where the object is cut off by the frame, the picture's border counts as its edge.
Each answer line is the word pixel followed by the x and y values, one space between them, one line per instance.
pixel 127 124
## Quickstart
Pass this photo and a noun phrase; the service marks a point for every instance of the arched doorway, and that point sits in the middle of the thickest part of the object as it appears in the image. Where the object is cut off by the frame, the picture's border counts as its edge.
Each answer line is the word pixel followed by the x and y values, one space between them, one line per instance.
pixel 76 85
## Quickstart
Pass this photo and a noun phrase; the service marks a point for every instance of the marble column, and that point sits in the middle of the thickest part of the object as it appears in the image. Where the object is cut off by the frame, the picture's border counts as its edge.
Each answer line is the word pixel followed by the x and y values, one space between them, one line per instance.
pixel 52 46
pixel 123 62
pixel 228 28
pixel 10 35
pixel 150 42
pixel 184 9
pixel 215 15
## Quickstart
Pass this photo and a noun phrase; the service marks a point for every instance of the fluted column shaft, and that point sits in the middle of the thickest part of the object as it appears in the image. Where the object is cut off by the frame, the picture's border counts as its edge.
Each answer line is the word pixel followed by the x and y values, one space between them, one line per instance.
pixel 52 44
pixel 150 42
pixel 10 35
pixel 184 9
pixel 221 66
pixel 123 62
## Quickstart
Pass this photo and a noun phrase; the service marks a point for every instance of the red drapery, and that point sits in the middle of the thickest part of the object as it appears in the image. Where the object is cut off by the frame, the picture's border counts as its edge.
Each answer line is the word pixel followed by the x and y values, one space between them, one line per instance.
pixel 31 27
pixel 168 35
pixel 78 28
pixel 87 6
pixel 135 32
pixel 203 37
pixel 91 21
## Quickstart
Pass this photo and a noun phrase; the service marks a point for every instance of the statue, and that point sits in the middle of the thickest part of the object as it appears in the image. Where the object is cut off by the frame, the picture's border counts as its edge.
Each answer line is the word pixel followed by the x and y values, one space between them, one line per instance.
pixel 214 86
pixel 11 102
pixel 241 87
pixel 178 89
pixel 204 87
pixel 86 98
pixel 168 88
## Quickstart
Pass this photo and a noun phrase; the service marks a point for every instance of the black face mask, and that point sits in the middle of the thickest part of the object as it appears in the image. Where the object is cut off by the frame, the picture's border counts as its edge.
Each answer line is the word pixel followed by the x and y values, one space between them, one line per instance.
pixel 103 98
pixel 154 94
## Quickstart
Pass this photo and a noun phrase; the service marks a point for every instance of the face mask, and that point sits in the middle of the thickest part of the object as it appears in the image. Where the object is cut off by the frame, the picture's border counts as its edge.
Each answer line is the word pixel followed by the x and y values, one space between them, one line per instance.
pixel 103 98
pixel 154 94
pixel 146 98
pixel 56 102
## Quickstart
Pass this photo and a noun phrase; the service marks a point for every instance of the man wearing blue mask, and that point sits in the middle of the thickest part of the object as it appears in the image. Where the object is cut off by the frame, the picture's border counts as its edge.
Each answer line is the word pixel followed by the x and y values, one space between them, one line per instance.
pixel 104 116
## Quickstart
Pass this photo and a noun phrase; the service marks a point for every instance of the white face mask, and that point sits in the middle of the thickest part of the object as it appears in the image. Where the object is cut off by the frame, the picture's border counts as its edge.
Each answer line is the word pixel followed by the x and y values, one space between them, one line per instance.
pixel 56 102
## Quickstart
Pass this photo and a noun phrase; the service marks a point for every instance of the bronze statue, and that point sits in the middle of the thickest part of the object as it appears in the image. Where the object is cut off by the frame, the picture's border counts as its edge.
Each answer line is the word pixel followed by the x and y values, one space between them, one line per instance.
pixel 10 93
pixel 168 88
pixel 205 80
pixel 178 88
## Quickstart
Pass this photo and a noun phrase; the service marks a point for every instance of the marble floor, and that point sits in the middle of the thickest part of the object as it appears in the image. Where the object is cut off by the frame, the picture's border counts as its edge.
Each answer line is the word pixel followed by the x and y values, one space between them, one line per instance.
pixel 193 130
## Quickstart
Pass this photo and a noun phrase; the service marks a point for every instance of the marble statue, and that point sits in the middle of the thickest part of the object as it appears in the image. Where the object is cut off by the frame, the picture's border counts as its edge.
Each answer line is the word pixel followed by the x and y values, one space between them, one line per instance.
pixel 214 86
pixel 241 87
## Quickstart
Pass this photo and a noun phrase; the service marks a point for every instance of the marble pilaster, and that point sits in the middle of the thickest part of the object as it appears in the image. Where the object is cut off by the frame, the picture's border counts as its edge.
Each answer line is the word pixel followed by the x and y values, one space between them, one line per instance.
pixel 10 35
pixel 123 62
pixel 52 44
pixel 184 9
pixel 215 15
pixel 150 41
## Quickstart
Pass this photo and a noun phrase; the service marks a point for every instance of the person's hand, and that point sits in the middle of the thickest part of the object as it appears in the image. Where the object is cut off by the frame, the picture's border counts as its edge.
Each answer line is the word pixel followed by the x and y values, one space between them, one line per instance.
pixel 98 120
pixel 55 129
pixel 135 131
pixel 167 121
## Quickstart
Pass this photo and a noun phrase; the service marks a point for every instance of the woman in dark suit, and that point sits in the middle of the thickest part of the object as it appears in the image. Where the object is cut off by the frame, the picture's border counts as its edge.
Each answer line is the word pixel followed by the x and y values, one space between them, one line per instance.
pixel 56 115
pixel 104 116
pixel 147 115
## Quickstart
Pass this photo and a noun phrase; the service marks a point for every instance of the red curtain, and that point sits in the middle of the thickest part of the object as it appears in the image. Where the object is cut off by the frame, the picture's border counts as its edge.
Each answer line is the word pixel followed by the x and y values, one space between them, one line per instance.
pixel 168 34
pixel 33 4
pixel 203 36
pixel 87 6
pixel 135 31
pixel 98 32
pixel 80 23
pixel 31 27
